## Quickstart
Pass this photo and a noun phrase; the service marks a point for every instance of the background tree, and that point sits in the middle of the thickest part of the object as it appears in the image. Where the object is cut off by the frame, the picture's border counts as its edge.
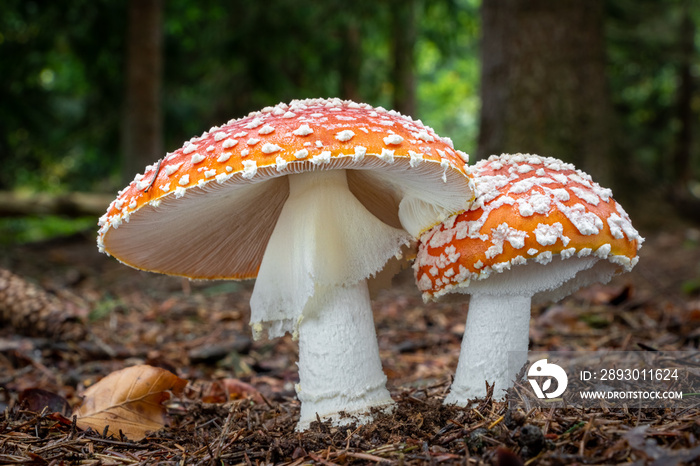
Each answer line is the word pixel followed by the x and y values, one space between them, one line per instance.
pixel 142 128
pixel 685 115
pixel 684 97
pixel 403 36
pixel 543 82
pixel 351 49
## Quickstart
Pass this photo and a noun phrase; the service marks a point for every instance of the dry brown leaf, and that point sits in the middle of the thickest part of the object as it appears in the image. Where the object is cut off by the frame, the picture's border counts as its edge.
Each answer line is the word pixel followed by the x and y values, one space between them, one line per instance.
pixel 129 400
pixel 225 390
pixel 37 399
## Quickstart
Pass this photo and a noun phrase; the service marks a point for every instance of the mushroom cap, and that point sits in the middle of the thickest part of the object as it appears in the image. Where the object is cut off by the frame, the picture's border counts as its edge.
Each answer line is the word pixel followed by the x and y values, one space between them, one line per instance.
pixel 208 209
pixel 529 209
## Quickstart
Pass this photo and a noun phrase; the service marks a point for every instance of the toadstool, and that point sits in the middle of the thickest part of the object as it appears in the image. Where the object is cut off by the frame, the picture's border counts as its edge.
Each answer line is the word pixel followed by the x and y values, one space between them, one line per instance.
pixel 538 228
pixel 312 198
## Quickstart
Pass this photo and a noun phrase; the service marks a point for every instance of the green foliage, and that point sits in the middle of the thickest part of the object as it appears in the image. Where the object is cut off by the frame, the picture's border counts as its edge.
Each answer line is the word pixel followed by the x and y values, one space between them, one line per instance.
pixel 223 288
pixel 448 71
pixel 691 287
pixel 63 74
pixel 19 230
pixel 644 56
pixel 225 59
pixel 107 306
pixel 62 81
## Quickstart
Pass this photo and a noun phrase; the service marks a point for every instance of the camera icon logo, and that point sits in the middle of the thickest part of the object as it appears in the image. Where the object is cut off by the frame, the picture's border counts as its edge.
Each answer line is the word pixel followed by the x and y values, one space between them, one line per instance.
pixel 541 369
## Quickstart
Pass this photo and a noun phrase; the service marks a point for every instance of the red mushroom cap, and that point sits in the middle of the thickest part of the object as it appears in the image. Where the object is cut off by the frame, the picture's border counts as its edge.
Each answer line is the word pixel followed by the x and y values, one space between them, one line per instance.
pixel 528 209
pixel 208 209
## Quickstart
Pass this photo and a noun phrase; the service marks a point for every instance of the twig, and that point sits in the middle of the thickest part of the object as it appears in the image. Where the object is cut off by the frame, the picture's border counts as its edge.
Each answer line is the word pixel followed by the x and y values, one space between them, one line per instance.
pixel 155 175
pixel 365 456
pixel 496 422
pixel 319 459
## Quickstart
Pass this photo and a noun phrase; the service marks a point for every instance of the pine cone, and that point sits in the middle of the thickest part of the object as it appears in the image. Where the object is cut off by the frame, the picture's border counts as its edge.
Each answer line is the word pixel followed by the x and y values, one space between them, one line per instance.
pixel 32 311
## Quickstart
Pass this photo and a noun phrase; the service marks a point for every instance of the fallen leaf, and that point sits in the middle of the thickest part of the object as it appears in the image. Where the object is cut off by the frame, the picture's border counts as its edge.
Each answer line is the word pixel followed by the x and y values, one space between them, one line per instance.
pixel 225 390
pixel 129 400
pixel 36 399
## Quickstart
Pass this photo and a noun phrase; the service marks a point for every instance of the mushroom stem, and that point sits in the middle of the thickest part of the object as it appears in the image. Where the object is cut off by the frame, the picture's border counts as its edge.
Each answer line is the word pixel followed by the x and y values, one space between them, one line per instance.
pixel 339 365
pixel 495 325
pixel 313 283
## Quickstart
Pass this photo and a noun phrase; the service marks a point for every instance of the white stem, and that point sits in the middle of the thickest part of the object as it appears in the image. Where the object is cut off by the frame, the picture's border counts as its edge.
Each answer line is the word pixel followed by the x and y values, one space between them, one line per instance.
pixel 495 326
pixel 324 236
pixel 339 365
pixel 313 282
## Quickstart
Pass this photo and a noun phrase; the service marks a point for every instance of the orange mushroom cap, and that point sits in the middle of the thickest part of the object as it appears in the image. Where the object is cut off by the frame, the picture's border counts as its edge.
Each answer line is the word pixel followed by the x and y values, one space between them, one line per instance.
pixel 200 200
pixel 528 209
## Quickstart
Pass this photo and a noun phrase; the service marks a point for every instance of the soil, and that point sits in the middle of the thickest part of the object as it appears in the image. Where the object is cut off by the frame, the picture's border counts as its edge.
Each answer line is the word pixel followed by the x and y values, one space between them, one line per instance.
pixel 199 330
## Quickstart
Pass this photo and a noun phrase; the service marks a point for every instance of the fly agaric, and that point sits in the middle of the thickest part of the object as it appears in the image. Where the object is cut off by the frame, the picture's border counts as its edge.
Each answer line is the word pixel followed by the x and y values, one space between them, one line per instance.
pixel 312 198
pixel 538 229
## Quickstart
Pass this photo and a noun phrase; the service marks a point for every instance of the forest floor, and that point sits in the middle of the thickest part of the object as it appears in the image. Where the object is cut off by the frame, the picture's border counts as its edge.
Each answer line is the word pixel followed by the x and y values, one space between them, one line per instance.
pixel 200 331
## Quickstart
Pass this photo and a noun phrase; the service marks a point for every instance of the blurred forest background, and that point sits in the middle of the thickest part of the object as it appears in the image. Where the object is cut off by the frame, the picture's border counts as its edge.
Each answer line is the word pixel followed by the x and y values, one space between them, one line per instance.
pixel 92 91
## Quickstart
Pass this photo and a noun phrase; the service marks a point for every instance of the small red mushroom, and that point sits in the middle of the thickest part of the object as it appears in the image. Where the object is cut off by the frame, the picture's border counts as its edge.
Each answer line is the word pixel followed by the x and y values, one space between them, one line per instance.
pixel 538 228
pixel 312 198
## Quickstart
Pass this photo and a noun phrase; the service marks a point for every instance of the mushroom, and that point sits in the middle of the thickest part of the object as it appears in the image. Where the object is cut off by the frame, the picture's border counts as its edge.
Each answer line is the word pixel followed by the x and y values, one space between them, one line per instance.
pixel 312 198
pixel 538 229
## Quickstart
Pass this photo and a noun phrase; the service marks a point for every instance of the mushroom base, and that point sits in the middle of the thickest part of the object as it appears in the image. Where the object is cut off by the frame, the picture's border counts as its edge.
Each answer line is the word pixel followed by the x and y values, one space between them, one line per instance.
pixel 340 372
pixel 495 326
pixel 499 321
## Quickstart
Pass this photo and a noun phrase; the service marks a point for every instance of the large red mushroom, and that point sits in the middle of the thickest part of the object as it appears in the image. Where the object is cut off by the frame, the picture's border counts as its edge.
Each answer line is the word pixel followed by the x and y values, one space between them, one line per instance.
pixel 538 229
pixel 312 198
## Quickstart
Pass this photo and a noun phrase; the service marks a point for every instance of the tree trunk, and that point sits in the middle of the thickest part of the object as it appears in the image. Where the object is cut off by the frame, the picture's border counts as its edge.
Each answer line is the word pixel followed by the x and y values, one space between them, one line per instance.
pixel 544 86
pixel 495 24
pixel 403 29
pixel 682 169
pixel 142 131
pixel 351 64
